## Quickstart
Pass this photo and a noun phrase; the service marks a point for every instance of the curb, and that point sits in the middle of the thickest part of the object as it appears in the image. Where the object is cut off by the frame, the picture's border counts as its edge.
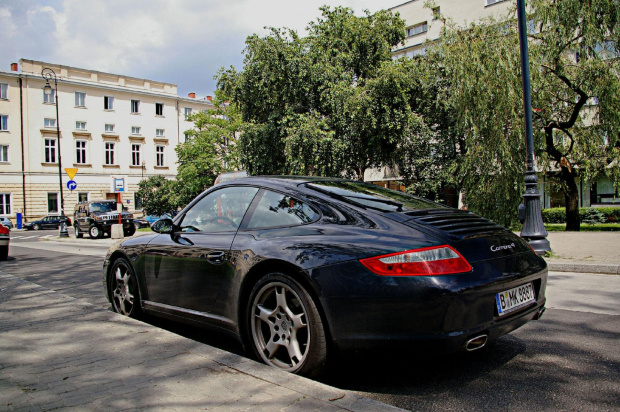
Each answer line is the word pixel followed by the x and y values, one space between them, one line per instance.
pixel 583 268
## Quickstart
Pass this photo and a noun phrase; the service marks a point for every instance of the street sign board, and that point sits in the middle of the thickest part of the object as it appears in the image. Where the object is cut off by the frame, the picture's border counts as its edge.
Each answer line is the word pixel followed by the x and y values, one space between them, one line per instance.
pixel 119 185
pixel 71 185
pixel 71 171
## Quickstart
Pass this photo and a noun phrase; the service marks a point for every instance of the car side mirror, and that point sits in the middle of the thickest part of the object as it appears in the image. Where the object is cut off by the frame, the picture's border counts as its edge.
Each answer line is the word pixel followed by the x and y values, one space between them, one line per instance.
pixel 164 225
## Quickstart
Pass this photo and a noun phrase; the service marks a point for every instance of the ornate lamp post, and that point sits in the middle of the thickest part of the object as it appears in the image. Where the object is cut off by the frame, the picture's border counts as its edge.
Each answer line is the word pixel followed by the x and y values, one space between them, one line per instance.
pixel 49 74
pixel 533 227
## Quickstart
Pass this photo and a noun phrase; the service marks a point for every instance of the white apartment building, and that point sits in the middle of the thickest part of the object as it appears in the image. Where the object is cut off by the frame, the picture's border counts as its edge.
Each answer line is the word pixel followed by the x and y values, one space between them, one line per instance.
pixel 111 127
pixel 424 24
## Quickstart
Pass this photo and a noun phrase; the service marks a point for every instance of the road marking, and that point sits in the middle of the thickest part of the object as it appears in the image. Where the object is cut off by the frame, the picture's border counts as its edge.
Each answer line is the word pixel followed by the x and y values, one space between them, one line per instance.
pixel 45 237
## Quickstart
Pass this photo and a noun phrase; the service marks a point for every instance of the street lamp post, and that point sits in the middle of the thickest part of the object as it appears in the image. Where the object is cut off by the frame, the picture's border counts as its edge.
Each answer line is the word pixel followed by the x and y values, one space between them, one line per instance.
pixel 533 227
pixel 49 74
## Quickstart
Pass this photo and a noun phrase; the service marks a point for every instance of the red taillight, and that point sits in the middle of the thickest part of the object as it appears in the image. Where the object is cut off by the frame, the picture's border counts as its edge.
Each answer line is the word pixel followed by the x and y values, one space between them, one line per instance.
pixel 4 230
pixel 430 261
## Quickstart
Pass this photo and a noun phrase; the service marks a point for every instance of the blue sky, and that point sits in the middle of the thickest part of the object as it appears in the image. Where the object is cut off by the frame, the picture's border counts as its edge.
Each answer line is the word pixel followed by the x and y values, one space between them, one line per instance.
pixel 183 42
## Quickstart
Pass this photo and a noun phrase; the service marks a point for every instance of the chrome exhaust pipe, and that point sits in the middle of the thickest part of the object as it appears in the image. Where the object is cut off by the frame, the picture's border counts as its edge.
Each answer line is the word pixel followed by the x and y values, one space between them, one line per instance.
pixel 476 343
pixel 539 313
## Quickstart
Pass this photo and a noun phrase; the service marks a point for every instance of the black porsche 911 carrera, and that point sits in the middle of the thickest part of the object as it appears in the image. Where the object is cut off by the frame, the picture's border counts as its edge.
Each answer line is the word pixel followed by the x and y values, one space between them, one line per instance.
pixel 296 266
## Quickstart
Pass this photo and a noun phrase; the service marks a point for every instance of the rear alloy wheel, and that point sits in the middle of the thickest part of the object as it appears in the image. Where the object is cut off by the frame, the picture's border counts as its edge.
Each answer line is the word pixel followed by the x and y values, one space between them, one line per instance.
pixel 36 227
pixel 94 232
pixel 124 289
pixel 78 234
pixel 285 326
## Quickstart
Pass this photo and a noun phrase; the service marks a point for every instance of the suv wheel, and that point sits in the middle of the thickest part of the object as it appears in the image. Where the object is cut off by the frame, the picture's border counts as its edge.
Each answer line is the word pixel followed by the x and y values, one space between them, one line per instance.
pixel 94 232
pixel 78 234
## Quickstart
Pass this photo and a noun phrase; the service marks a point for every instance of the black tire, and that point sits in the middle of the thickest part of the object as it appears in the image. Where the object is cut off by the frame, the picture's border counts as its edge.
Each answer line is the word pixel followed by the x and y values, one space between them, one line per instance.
pixel 123 289
pixel 94 231
pixel 284 326
pixel 129 231
pixel 78 234
pixel 4 253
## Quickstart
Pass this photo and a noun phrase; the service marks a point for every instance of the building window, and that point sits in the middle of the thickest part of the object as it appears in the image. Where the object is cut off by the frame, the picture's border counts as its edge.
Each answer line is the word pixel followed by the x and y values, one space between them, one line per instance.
pixel 436 13
pixel 135 154
pixel 4 91
pixel 188 111
pixel 52 203
pixel 109 128
pixel 159 132
pixel 49 123
pixel 159 156
pixel 80 125
pixel 135 106
pixel 80 99
pixel 83 197
pixel 50 98
pixel 80 152
pixel 159 109
pixel 109 153
pixel 4 153
pixel 108 103
pixel 187 137
pixel 50 150
pixel 4 122
pixel 5 203
pixel 135 130
pixel 417 29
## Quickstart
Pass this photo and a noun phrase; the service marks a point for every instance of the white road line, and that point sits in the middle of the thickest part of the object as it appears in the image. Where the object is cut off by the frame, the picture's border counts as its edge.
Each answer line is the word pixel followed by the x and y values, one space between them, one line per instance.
pixel 45 237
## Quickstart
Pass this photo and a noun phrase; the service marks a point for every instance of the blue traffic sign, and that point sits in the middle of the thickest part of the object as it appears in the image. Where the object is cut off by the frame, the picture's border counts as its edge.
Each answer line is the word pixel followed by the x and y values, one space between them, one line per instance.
pixel 71 185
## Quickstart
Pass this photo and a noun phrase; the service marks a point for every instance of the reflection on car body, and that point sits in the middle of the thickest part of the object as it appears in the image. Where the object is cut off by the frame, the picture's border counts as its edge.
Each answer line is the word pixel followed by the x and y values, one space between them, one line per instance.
pixel 294 266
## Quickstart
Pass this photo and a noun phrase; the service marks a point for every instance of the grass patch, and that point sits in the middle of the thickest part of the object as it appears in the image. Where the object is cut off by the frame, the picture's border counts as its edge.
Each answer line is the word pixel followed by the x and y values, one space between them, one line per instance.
pixel 145 229
pixel 598 227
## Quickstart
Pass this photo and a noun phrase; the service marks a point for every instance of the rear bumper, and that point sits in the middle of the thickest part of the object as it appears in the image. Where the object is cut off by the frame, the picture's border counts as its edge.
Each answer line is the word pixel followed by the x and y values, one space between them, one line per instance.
pixel 439 312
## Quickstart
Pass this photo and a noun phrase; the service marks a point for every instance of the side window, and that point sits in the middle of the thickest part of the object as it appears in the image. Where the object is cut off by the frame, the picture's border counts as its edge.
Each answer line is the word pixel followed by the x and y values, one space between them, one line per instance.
pixel 276 209
pixel 219 211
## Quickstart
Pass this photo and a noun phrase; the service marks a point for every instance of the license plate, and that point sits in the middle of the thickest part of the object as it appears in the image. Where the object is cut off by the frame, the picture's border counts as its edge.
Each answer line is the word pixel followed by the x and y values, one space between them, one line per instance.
pixel 515 298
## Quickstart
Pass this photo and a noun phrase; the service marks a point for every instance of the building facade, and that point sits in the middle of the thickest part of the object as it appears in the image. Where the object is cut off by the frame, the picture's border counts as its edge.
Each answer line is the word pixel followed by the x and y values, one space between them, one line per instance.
pixel 113 129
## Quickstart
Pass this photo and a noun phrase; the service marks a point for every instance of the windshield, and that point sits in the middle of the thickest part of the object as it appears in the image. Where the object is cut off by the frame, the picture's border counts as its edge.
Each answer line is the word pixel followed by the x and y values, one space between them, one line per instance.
pixel 373 196
pixel 103 207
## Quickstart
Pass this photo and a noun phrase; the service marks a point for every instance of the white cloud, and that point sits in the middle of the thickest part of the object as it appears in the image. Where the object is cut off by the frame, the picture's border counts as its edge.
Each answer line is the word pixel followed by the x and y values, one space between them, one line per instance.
pixel 178 41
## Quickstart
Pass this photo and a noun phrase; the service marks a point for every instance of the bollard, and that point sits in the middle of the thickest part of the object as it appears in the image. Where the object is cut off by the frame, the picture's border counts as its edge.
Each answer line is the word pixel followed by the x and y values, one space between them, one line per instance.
pixel 63 230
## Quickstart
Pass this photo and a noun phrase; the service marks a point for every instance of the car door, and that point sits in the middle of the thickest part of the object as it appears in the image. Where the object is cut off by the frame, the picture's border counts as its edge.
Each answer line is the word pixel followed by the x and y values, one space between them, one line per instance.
pixel 185 269
pixel 47 223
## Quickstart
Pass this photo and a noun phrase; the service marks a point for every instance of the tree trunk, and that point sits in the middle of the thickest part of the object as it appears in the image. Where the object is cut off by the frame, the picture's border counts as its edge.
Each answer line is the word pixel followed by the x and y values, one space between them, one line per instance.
pixel 571 197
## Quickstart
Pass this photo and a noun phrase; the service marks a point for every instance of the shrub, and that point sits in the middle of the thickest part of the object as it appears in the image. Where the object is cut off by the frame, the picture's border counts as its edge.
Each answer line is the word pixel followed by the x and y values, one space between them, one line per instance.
pixel 607 214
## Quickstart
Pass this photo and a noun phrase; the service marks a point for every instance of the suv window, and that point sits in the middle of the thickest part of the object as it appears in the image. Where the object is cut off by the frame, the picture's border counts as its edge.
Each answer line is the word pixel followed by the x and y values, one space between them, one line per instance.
pixel 219 211
pixel 275 209
pixel 103 207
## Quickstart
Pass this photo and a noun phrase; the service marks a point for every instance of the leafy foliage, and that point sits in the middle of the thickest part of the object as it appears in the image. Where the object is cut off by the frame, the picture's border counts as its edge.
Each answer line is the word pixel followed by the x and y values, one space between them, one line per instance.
pixel 157 194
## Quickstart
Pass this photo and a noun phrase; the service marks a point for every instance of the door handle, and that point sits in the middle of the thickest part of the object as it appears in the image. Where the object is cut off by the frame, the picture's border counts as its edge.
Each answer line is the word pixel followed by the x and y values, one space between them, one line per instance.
pixel 217 258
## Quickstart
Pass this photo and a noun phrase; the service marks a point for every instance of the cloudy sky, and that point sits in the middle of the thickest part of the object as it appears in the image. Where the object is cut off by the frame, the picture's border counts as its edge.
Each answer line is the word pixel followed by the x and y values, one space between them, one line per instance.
pixel 183 42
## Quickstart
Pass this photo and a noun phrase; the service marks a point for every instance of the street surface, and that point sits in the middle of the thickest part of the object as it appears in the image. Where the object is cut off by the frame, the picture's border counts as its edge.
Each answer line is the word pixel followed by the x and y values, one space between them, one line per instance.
pixel 569 360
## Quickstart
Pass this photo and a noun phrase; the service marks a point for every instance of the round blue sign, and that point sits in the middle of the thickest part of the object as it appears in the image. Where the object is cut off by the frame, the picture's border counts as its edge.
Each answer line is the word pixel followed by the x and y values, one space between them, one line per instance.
pixel 71 185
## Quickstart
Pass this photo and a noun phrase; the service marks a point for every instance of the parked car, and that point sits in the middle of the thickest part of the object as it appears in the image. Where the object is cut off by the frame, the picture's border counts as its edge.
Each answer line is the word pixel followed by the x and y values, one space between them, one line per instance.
pixel 5 237
pixel 48 222
pixel 96 218
pixel 5 221
pixel 141 223
pixel 296 267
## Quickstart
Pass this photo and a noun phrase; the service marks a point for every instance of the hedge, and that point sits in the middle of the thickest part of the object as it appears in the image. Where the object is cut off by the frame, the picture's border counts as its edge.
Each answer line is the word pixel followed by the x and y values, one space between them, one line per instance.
pixel 599 214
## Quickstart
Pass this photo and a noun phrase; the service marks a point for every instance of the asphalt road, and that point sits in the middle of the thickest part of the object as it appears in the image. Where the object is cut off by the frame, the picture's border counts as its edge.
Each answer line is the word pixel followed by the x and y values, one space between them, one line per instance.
pixel 569 360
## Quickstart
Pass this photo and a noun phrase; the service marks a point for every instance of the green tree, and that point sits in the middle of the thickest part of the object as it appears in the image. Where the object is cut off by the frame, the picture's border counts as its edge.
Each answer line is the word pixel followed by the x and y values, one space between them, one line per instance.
pixel 210 150
pixel 318 104
pixel 158 195
pixel 573 58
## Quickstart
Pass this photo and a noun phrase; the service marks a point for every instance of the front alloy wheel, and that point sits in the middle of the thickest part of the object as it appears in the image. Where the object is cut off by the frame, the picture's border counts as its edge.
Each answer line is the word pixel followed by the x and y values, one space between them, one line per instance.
pixel 94 232
pixel 124 289
pixel 285 326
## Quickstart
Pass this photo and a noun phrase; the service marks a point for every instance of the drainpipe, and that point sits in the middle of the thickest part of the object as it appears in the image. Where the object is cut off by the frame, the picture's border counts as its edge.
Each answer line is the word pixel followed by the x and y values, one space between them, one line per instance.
pixel 21 116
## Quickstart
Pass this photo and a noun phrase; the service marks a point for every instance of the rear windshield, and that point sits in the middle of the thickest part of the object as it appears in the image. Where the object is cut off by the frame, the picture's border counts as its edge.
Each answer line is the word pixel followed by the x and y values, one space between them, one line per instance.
pixel 373 196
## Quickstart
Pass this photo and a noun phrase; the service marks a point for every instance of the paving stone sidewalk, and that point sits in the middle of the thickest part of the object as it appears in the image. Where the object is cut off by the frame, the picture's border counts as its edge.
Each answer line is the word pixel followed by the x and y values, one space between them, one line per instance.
pixel 59 353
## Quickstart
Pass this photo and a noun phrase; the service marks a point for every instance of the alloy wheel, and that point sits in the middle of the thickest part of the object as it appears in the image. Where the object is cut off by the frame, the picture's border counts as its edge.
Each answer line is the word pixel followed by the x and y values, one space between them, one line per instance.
pixel 123 288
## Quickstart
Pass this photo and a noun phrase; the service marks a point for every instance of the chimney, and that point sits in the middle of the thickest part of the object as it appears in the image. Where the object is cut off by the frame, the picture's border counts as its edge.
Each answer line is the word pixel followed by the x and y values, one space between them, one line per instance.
pixel 209 98
pixel 13 67
pixel 191 95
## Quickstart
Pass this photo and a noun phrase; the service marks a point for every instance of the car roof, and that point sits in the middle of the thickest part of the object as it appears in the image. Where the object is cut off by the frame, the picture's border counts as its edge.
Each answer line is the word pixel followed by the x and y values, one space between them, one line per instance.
pixel 278 180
